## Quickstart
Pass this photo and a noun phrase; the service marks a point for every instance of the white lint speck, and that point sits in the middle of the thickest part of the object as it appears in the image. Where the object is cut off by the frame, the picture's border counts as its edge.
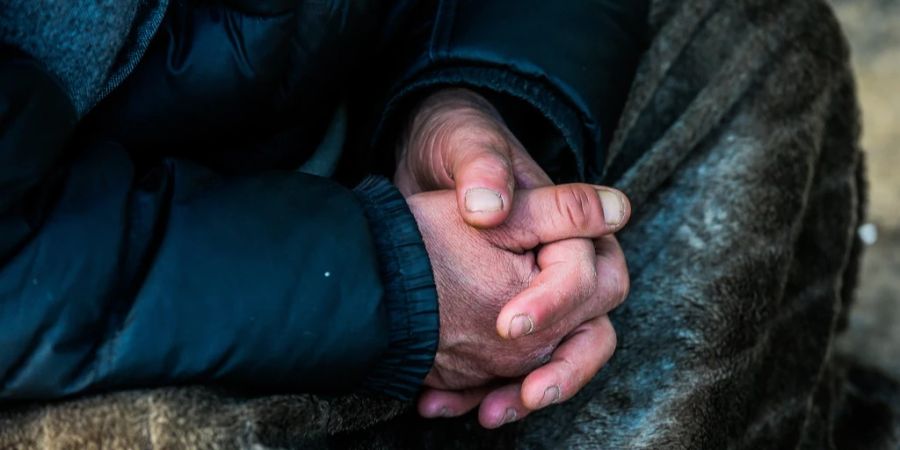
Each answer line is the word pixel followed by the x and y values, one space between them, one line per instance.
pixel 868 232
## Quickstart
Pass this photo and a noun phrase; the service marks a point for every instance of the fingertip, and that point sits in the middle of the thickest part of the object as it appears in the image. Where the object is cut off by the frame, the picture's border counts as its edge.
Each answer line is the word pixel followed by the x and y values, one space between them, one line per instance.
pixel 433 411
pixel 573 365
pixel 540 390
pixel 496 419
pixel 436 403
pixel 429 407
pixel 502 407
pixel 484 207
pixel 484 183
pixel 512 321
pixel 551 295
pixel 520 324
pixel 615 205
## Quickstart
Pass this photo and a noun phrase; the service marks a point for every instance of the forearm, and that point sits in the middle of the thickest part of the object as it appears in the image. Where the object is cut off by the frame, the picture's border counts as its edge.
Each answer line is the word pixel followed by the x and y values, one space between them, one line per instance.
pixel 116 275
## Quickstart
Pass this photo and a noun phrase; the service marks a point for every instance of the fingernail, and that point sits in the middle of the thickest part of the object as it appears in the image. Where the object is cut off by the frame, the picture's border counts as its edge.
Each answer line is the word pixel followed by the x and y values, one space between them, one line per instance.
pixel 613 207
pixel 520 325
pixel 510 416
pixel 551 395
pixel 483 200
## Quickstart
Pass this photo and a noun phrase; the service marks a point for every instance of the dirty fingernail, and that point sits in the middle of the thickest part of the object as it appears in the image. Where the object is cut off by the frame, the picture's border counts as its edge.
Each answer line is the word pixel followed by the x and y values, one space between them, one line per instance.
pixel 551 395
pixel 483 200
pixel 613 207
pixel 520 325
pixel 510 416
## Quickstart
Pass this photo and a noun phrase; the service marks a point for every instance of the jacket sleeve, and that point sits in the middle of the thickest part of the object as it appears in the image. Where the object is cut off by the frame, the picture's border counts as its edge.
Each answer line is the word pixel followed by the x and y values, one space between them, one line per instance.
pixel 570 63
pixel 115 274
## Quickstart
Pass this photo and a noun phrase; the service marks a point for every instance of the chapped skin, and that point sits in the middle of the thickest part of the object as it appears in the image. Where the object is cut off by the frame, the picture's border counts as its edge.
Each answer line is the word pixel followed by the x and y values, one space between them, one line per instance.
pixel 739 151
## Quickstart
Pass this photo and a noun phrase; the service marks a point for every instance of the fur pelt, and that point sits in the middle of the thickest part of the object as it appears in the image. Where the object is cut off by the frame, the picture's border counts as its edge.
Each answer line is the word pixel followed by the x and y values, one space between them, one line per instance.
pixel 739 150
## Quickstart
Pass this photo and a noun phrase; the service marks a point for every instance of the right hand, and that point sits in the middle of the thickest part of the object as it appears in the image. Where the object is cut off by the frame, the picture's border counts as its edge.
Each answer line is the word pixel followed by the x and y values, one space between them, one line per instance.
pixel 477 271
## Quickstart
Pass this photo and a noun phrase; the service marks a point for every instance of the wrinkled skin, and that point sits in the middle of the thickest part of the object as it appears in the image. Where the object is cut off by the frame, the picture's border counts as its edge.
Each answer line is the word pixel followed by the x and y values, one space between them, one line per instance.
pixel 520 329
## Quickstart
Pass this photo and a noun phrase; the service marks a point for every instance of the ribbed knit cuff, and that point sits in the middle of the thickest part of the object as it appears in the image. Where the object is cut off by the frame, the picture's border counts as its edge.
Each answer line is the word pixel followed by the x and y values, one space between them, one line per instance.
pixel 410 293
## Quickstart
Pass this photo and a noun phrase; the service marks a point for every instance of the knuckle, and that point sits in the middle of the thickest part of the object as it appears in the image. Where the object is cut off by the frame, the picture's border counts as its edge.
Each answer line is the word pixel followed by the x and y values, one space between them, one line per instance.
pixel 540 356
pixel 523 272
pixel 493 158
pixel 616 282
pixel 585 281
pixel 577 206
pixel 621 288
pixel 477 133
pixel 548 311
pixel 559 330
pixel 569 370
pixel 588 276
pixel 612 340
pixel 492 165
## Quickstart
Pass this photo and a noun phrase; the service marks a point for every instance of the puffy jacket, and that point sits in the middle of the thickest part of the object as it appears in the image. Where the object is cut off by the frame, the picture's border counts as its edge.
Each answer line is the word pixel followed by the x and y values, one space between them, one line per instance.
pixel 165 237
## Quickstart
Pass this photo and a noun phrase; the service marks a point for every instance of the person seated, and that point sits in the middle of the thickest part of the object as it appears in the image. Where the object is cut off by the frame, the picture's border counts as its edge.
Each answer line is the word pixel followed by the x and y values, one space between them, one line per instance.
pixel 197 192
pixel 156 231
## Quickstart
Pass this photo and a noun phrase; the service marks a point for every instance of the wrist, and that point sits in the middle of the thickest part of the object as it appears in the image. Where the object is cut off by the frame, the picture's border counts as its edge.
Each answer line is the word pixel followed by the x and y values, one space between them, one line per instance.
pixel 410 296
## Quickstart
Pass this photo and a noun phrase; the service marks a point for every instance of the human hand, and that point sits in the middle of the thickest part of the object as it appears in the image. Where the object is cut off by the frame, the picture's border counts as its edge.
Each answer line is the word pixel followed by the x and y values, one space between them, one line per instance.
pixel 577 359
pixel 477 271
pixel 456 140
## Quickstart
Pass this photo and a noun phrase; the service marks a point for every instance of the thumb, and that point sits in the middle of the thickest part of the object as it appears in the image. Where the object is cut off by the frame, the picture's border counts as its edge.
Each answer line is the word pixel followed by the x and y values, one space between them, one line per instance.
pixel 484 185
pixel 488 174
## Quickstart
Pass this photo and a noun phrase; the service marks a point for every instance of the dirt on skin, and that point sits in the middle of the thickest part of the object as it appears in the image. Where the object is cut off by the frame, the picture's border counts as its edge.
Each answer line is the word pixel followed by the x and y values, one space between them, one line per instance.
pixel 873 28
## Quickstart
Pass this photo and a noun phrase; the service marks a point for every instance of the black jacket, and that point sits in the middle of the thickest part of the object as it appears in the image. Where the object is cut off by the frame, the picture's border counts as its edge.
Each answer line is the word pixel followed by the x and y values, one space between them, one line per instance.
pixel 166 238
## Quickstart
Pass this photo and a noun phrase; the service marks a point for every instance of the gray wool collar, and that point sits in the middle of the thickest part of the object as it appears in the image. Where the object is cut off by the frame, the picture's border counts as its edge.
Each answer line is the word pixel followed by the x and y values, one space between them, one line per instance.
pixel 90 46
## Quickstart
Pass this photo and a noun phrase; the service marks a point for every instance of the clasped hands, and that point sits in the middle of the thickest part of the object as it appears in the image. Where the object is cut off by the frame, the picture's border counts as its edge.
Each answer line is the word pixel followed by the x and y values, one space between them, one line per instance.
pixel 526 271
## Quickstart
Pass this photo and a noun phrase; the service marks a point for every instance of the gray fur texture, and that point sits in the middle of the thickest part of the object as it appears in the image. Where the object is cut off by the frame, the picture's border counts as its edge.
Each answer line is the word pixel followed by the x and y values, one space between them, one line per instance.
pixel 739 150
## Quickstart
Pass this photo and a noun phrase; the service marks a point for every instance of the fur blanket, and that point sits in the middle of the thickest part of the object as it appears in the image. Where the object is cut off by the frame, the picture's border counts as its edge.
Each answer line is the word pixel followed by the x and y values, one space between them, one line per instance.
pixel 739 150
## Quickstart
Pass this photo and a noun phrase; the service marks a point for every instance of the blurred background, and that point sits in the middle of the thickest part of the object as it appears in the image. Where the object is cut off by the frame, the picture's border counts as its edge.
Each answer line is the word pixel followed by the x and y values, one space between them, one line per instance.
pixel 873 28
